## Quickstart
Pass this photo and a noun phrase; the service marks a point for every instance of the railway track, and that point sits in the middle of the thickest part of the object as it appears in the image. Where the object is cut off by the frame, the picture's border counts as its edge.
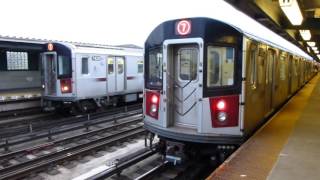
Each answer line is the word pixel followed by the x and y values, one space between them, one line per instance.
pixel 59 130
pixel 43 156
pixel 4 115
pixel 22 126
pixel 147 165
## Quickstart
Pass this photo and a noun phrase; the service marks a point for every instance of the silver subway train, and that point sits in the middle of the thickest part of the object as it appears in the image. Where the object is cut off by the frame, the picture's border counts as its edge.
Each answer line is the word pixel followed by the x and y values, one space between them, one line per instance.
pixel 210 84
pixel 84 77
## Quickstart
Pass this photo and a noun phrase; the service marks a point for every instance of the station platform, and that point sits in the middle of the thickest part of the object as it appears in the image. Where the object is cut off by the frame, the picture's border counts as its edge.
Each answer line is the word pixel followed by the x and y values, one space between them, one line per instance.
pixel 20 99
pixel 286 147
pixel 20 94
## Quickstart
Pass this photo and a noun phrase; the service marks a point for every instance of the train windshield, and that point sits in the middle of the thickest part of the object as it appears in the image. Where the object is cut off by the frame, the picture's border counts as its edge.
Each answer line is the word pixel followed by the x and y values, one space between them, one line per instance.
pixel 154 73
pixel 64 67
pixel 220 68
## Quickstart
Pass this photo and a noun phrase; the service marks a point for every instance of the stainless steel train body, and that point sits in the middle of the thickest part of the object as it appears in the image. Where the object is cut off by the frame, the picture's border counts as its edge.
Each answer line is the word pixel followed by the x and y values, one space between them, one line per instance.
pixel 208 82
pixel 90 76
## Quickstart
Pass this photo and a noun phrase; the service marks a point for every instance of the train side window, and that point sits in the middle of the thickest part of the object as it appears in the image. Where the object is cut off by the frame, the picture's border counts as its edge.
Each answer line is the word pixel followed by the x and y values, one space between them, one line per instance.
pixel 64 66
pixel 188 58
pixel 271 60
pixel 85 65
pixel 220 68
pixel 283 67
pixel 120 62
pixel 260 72
pixel 110 65
pixel 140 66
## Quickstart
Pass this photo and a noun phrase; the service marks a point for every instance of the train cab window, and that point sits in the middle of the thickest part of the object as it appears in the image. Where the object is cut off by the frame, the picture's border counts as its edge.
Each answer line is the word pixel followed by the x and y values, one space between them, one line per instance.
pixel 188 59
pixel 110 65
pixel 84 65
pixel 220 68
pixel 155 69
pixel 64 67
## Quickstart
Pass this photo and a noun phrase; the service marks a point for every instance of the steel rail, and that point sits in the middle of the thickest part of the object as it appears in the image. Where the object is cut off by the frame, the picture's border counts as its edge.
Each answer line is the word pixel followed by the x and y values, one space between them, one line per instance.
pixel 43 162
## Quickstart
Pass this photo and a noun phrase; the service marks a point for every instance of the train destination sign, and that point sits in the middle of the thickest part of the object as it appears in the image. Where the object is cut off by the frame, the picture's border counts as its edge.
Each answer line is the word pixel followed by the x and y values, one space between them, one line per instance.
pixel 183 27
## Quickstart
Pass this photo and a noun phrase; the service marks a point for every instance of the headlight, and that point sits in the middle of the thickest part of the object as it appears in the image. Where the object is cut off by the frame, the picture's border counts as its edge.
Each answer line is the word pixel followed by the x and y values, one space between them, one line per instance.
pixel 222 116
pixel 153 108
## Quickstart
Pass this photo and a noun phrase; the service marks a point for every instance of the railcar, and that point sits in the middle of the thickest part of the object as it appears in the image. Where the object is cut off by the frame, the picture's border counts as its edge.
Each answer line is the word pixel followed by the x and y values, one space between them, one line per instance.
pixel 84 77
pixel 209 84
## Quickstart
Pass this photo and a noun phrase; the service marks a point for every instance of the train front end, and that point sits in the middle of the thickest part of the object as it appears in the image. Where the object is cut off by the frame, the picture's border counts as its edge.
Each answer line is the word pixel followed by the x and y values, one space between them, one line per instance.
pixel 57 78
pixel 193 85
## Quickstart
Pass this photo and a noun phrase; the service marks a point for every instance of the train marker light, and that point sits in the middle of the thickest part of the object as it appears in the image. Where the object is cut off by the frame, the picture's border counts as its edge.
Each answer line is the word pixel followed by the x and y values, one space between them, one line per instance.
pixel 292 10
pixel 50 47
pixel 152 104
pixel 183 27
pixel 221 105
pixel 65 85
pixel 222 116
pixel 154 99
pixel 154 108
pixel 65 88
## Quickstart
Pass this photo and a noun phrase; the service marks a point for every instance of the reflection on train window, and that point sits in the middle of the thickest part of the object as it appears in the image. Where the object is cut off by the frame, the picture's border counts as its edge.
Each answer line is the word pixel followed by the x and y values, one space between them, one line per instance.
pixel 220 68
pixel 282 67
pixel 17 60
pixel 110 65
pixel 188 58
pixel 271 59
pixel 140 67
pixel 253 67
pixel 260 68
pixel 120 62
pixel 64 66
pixel 155 68
pixel 84 65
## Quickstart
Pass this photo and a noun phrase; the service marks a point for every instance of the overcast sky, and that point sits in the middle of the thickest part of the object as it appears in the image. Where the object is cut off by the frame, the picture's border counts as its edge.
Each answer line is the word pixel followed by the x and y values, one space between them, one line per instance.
pixel 96 21
pixel 115 22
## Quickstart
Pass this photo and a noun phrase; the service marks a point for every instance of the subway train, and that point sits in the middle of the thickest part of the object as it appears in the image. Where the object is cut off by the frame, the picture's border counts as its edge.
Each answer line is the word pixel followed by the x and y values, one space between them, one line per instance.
pixel 83 77
pixel 210 84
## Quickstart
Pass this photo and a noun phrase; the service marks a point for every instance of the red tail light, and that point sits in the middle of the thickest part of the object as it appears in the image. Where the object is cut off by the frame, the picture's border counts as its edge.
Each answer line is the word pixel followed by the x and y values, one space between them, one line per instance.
pixel 66 85
pixel 221 105
pixel 224 111
pixel 152 104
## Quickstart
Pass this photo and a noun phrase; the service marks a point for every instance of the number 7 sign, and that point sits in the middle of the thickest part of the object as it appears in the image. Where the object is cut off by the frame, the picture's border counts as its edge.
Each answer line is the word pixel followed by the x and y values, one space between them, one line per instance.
pixel 183 27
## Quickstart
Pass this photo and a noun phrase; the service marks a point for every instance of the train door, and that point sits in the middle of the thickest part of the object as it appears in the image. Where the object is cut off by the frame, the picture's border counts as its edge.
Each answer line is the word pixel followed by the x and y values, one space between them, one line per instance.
pixel 269 88
pixel 49 62
pixel 111 79
pixel 183 79
pixel 115 74
pixel 120 73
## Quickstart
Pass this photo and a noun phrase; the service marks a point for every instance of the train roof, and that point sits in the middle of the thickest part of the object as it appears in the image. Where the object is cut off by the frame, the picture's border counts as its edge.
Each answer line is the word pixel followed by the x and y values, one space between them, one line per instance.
pixel 238 20
pixel 261 33
pixel 90 47
pixel 103 49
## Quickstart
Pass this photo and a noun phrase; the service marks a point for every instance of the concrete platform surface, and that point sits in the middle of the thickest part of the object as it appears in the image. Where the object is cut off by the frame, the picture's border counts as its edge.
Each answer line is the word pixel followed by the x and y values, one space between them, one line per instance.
pixel 285 148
